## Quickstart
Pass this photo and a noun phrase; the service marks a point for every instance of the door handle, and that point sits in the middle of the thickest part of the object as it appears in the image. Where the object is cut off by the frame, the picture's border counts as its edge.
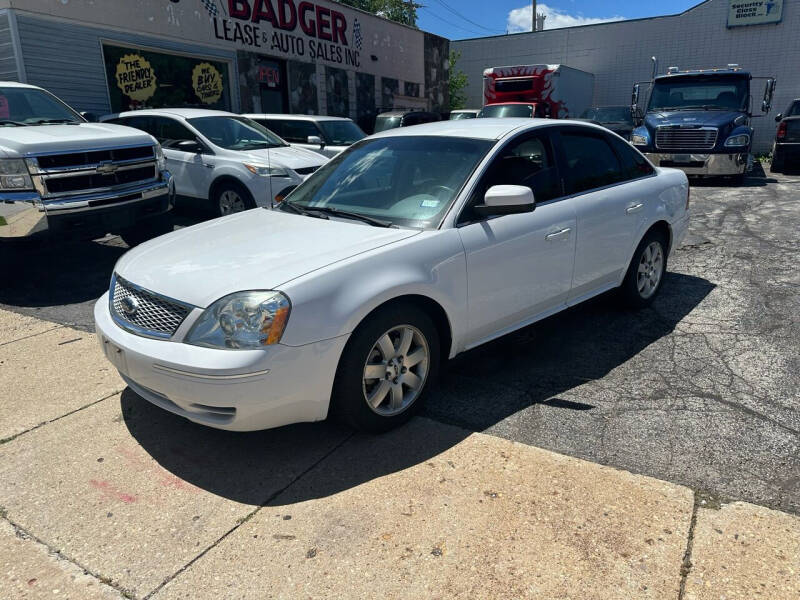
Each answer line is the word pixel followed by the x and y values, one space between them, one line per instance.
pixel 556 235
pixel 634 208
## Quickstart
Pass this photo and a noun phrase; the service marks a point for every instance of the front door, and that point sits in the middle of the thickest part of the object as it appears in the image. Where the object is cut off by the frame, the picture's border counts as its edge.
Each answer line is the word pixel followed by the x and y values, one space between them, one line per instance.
pixel 519 267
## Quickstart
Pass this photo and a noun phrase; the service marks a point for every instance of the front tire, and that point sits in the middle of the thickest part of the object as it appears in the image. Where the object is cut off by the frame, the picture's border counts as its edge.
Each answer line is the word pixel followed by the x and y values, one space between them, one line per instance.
pixel 646 272
pixel 231 197
pixel 389 363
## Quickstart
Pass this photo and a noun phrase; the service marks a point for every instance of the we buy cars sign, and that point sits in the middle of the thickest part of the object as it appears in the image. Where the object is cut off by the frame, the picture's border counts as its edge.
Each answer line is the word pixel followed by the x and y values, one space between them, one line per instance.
pixel 301 29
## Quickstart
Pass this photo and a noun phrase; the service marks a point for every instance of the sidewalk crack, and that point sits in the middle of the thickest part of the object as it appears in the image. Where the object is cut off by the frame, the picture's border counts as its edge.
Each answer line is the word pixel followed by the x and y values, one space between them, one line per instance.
pixel 27 337
pixel 686 565
pixel 242 520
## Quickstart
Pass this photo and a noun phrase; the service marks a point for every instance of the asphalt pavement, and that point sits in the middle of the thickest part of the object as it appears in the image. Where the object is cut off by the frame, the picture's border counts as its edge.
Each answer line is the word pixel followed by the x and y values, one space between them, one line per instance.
pixel 701 389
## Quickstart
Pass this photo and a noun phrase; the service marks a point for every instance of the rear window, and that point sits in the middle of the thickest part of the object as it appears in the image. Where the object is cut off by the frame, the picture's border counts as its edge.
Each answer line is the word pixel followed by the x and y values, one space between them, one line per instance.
pixel 507 110
pixel 384 123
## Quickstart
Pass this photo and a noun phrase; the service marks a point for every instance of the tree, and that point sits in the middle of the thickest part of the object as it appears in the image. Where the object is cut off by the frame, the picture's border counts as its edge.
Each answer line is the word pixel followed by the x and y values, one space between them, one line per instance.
pixel 458 83
pixel 401 11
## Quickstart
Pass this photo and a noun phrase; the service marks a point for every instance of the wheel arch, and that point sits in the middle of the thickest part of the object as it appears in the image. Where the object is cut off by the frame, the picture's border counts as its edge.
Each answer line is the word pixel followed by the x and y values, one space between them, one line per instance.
pixel 225 178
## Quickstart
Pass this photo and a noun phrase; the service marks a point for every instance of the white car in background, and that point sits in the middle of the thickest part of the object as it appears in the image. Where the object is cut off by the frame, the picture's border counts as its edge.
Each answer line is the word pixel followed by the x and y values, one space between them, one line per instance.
pixel 410 247
pixel 323 134
pixel 228 159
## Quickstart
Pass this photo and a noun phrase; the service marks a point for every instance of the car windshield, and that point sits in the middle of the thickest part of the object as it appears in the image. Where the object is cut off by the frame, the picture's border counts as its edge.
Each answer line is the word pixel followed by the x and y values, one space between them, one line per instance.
pixel 236 133
pixel 404 180
pixel 507 110
pixel 608 114
pixel 384 123
pixel 699 92
pixel 28 106
pixel 342 133
pixel 457 116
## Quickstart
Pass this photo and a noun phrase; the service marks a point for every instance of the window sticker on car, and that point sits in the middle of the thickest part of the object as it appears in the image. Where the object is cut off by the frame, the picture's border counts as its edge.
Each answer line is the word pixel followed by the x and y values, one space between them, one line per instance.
pixel 429 203
pixel 4 112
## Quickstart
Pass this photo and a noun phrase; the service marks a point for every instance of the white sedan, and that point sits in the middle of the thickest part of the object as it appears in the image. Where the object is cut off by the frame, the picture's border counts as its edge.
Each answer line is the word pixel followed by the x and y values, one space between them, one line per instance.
pixel 410 247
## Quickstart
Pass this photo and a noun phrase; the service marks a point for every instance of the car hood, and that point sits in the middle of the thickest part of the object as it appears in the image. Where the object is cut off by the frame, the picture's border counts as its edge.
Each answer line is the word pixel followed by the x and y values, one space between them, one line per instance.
pixel 705 118
pixel 288 156
pixel 36 139
pixel 257 249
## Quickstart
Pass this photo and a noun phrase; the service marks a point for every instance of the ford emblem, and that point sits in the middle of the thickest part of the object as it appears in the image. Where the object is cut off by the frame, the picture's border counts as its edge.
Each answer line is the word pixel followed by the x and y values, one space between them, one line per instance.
pixel 129 306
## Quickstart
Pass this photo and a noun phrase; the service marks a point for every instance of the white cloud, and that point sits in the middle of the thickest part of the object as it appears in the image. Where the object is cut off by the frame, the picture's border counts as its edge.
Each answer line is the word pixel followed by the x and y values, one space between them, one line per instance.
pixel 519 19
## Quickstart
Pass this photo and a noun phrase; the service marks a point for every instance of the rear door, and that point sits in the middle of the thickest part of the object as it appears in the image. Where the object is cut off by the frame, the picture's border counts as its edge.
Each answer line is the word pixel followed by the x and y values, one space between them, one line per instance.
pixel 610 191
pixel 518 266
pixel 193 172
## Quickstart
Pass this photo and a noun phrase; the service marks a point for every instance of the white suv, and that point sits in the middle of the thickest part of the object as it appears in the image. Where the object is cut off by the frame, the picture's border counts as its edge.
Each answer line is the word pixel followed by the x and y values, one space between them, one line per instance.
pixel 326 135
pixel 228 159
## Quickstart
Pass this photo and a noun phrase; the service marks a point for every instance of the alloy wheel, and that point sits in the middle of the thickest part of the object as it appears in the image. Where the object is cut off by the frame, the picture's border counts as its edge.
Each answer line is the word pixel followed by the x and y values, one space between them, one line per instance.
pixel 651 269
pixel 230 202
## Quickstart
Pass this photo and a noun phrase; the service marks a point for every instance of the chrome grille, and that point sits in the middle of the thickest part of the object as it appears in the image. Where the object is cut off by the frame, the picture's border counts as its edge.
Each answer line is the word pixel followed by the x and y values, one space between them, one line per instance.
pixel 668 138
pixel 155 315
pixel 78 173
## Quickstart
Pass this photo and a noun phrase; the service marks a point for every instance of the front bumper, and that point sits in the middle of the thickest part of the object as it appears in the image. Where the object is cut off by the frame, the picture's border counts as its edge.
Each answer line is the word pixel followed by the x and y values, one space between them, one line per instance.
pixel 26 214
pixel 703 164
pixel 236 390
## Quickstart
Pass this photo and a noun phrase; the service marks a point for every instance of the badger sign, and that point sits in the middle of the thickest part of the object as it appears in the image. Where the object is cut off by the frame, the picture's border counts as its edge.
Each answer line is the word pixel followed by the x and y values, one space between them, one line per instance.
pixel 207 83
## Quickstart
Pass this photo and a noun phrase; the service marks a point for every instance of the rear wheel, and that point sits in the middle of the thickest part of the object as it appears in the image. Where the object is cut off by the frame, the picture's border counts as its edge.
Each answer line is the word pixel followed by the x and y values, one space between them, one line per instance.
pixel 231 197
pixel 390 362
pixel 646 272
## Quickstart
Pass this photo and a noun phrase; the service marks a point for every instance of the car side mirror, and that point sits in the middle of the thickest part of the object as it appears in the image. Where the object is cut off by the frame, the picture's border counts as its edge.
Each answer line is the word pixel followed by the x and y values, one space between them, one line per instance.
pixel 506 200
pixel 189 146
pixel 90 116
pixel 779 117
pixel 315 139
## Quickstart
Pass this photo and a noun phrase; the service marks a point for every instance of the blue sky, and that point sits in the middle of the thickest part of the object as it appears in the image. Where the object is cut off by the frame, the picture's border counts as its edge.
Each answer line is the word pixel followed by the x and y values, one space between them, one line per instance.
pixel 457 19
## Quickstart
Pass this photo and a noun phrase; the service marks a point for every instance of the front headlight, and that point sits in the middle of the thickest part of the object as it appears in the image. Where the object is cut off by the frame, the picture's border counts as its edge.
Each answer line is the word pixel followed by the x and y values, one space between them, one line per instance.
pixel 637 139
pixel 242 321
pixel 161 160
pixel 14 175
pixel 738 140
pixel 266 171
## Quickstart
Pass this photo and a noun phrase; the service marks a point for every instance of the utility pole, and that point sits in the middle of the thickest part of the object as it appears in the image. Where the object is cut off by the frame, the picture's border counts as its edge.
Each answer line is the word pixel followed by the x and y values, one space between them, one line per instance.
pixel 533 15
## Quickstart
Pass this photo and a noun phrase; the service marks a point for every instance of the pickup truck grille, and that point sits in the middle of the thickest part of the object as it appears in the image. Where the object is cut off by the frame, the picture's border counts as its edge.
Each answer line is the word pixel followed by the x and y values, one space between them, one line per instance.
pixel 668 138
pixel 58 176
pixel 153 315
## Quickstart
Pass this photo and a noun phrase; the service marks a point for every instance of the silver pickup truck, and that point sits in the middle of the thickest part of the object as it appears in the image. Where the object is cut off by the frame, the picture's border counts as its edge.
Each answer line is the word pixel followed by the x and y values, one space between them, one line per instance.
pixel 62 175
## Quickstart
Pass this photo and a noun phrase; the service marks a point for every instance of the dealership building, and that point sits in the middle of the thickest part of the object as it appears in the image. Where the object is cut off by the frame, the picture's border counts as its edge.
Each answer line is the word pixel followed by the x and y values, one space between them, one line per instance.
pixel 761 36
pixel 285 56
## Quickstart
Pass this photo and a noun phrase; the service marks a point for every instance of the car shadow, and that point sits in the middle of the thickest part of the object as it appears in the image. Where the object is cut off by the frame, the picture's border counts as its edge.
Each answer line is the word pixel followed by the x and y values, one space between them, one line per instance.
pixel 478 389
pixel 755 178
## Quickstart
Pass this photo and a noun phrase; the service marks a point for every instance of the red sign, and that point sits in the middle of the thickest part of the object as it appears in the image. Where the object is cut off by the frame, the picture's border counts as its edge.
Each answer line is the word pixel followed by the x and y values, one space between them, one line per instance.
pixel 269 75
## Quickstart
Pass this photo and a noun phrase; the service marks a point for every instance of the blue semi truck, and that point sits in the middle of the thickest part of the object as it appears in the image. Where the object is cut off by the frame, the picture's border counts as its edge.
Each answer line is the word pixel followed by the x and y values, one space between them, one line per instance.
pixel 699 120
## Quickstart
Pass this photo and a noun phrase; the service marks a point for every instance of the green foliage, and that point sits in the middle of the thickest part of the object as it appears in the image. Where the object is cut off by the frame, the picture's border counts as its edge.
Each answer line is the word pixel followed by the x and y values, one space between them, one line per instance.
pixel 458 83
pixel 395 10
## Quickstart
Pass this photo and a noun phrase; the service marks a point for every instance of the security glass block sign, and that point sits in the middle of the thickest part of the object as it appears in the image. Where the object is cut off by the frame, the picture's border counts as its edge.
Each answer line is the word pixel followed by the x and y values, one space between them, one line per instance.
pixel 754 12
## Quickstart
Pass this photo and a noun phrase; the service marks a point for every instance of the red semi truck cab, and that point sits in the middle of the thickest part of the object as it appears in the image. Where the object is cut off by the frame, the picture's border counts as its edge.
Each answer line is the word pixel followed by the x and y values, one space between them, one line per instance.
pixel 556 91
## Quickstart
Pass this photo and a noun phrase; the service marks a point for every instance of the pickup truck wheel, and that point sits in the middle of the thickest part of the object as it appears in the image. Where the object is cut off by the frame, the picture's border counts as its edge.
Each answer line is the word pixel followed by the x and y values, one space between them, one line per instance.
pixel 230 198
pixel 147 230
pixel 389 363
pixel 646 272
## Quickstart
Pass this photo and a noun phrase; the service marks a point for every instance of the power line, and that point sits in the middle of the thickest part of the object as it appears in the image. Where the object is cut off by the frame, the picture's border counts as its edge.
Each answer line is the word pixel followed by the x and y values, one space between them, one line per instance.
pixel 451 24
pixel 459 15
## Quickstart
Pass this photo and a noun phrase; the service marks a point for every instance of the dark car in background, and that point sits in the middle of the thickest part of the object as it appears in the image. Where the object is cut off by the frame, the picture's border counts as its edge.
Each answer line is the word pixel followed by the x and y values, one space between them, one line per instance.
pixel 786 151
pixel 403 118
pixel 616 118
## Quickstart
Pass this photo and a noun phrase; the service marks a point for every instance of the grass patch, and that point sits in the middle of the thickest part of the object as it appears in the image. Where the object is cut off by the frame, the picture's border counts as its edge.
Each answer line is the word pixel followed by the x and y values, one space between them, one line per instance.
pixel 3 222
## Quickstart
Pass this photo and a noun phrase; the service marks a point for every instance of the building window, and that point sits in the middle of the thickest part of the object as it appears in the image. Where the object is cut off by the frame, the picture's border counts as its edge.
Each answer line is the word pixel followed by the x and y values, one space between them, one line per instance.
pixel 145 79
pixel 338 92
pixel 303 88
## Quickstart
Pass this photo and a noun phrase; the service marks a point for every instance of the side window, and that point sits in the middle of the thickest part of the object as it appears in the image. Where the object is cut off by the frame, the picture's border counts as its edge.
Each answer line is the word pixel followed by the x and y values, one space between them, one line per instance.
pixel 274 126
pixel 529 161
pixel 590 162
pixel 634 165
pixel 143 123
pixel 169 131
pixel 297 132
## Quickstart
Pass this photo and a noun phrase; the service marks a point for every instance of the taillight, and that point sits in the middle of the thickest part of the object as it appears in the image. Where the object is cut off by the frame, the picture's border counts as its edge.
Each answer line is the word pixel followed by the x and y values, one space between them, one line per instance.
pixel 782 130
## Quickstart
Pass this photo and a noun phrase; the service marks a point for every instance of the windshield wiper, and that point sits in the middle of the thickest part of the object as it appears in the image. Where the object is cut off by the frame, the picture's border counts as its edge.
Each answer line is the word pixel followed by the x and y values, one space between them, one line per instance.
pixel 54 121
pixel 352 215
pixel 14 123
pixel 306 212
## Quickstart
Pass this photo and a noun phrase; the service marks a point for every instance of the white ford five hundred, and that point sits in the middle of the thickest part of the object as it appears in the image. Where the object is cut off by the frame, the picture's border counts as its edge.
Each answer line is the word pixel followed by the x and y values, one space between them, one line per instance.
pixel 410 247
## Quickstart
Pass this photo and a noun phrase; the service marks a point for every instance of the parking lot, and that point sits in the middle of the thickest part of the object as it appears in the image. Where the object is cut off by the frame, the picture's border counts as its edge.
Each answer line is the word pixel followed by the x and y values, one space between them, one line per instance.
pixel 701 391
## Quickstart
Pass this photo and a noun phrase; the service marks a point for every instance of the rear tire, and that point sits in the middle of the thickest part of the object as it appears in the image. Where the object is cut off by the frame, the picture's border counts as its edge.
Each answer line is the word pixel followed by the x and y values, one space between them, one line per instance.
pixel 646 272
pixel 387 367
pixel 147 230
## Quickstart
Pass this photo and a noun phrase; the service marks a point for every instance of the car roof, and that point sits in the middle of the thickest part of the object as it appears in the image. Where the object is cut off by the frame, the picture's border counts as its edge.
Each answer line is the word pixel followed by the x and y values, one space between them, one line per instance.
pixel 17 84
pixel 464 110
pixel 186 113
pixel 486 129
pixel 278 116
pixel 402 113
pixel 507 103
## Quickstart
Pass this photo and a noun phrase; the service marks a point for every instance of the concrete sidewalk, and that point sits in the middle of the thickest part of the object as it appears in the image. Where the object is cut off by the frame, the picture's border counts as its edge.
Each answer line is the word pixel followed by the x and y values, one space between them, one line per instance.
pixel 104 496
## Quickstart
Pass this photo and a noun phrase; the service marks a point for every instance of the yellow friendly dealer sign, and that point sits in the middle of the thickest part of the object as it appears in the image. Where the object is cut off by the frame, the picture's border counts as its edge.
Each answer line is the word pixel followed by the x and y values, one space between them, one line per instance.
pixel 754 12
pixel 135 77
